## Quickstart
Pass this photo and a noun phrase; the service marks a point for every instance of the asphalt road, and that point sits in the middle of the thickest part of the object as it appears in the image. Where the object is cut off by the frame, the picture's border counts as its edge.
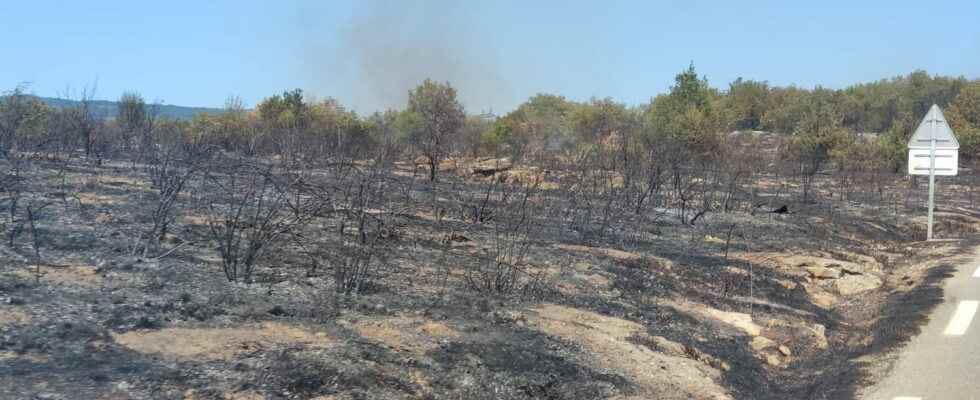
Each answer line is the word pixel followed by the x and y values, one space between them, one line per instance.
pixel 943 362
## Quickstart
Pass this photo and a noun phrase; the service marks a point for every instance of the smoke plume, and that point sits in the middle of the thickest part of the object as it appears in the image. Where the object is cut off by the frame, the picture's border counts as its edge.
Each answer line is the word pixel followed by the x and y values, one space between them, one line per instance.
pixel 391 47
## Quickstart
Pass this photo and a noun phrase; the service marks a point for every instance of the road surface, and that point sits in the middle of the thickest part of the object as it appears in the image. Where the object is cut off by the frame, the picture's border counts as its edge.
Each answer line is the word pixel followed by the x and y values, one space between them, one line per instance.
pixel 943 362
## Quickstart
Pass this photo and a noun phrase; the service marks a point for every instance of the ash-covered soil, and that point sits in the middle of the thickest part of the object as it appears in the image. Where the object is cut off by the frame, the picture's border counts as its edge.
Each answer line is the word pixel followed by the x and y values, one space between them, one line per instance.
pixel 741 305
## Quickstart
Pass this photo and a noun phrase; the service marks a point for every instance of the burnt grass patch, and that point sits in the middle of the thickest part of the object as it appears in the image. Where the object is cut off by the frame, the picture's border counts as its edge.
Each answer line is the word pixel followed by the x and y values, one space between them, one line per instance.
pixel 423 277
pixel 521 364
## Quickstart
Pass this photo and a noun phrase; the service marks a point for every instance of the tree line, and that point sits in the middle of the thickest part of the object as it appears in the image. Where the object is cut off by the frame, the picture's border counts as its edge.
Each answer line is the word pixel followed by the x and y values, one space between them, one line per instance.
pixel 878 117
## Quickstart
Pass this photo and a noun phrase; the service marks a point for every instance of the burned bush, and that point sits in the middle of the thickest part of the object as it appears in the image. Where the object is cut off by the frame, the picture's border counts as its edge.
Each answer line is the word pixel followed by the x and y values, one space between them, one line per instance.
pixel 250 211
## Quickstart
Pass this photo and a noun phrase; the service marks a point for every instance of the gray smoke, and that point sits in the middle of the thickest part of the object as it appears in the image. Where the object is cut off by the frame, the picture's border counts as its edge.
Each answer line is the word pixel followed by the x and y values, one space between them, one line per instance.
pixel 391 47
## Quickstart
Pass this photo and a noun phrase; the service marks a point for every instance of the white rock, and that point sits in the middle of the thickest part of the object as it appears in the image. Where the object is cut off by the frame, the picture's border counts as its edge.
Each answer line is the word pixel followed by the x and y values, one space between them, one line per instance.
pixel 854 284
pixel 760 343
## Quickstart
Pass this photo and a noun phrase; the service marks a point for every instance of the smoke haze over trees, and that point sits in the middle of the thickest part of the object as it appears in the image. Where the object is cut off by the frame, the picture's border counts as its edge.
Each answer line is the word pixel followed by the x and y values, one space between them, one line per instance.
pixel 390 47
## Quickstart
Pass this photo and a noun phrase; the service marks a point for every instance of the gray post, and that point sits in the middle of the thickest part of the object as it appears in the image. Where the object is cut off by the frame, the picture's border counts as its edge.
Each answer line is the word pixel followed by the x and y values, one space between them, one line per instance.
pixel 932 174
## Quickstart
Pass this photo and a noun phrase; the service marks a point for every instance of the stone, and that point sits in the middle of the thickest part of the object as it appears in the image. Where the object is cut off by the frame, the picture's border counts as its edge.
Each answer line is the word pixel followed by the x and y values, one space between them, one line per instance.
pixel 772 360
pixel 760 343
pixel 822 299
pixel 714 239
pixel 819 333
pixel 509 317
pixel 854 284
pixel 788 284
pixel 668 346
pixel 785 351
pixel 804 336
pixel 740 321
pixel 491 166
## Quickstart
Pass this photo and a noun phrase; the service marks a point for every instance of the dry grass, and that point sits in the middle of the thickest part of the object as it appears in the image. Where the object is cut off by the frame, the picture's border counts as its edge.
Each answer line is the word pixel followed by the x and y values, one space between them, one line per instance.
pixel 13 316
pixel 72 275
pixel 578 271
pixel 618 255
pixel 658 375
pixel 241 395
pixel 414 335
pixel 122 180
pixel 791 259
pixel 105 218
pixel 187 344
pixel 89 198
pixel 194 219
pixel 246 395
pixel 6 356
pixel 530 175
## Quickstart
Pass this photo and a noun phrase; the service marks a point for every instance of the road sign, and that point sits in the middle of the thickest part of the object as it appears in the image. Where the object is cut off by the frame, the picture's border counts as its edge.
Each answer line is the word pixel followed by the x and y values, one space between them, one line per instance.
pixel 946 162
pixel 933 150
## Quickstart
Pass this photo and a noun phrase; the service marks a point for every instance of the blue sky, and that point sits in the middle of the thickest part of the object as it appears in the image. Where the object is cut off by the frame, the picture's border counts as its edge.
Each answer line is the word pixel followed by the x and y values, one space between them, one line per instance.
pixel 367 54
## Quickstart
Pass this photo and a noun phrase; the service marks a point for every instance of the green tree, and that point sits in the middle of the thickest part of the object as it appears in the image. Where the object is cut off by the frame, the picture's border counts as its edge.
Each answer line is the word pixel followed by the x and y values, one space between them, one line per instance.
pixel 879 105
pixel 597 120
pixel 690 90
pixel 20 115
pixel 434 121
pixel 816 136
pixel 286 111
pixel 233 129
pixel 135 123
pixel 132 113
pixel 788 105
pixel 692 114
pixel 382 130
pixel 542 122
pixel 331 126
pixel 964 118
pixel 477 135
pixel 502 134
pixel 748 101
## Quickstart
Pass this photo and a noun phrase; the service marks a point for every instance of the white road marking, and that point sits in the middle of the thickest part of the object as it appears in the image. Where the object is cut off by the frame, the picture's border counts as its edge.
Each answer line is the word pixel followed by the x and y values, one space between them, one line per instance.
pixel 962 318
pixel 976 274
pixel 907 398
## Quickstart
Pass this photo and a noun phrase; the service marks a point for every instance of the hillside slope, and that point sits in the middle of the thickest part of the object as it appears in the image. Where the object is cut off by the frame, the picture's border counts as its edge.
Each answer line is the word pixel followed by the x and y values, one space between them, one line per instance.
pixel 109 109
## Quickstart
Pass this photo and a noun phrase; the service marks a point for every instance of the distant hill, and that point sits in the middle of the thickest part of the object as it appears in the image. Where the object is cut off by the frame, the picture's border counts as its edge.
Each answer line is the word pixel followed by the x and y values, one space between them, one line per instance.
pixel 109 109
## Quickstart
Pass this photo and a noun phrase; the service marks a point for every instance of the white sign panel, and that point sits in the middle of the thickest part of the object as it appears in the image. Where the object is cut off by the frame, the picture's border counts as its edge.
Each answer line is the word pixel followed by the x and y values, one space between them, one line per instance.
pixel 933 128
pixel 946 162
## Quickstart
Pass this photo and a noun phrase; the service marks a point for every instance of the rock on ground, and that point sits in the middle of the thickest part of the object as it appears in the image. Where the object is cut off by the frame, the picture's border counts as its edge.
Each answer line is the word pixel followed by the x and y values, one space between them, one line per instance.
pixel 854 284
pixel 740 321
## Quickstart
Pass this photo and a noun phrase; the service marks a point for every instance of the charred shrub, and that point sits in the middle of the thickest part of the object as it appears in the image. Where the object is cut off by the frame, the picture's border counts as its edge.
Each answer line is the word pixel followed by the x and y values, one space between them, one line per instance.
pixel 526 366
pixel 309 376
pixel 300 375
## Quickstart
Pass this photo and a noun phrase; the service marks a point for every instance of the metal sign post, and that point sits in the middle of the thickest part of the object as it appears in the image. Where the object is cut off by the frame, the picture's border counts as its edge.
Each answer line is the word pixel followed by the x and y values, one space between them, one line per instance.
pixel 942 156
pixel 932 175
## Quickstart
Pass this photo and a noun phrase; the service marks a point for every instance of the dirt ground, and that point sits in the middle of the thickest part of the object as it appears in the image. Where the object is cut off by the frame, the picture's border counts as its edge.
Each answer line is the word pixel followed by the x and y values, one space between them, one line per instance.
pixel 798 305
